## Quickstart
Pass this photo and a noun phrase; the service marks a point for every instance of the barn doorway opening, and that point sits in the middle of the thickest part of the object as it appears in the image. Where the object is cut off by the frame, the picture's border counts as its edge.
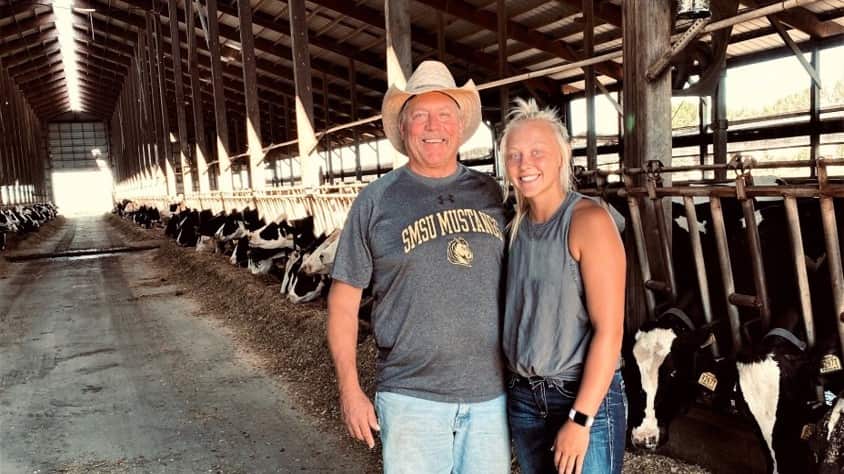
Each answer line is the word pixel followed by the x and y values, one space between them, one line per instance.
pixel 83 193
pixel 80 158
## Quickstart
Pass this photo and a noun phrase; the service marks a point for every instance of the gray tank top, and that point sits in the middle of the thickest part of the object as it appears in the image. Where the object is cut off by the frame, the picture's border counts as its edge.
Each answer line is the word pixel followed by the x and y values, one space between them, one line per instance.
pixel 546 326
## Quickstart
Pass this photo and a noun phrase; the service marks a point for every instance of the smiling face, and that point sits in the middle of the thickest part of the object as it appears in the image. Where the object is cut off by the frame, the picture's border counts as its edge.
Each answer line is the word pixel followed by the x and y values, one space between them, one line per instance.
pixel 431 127
pixel 534 161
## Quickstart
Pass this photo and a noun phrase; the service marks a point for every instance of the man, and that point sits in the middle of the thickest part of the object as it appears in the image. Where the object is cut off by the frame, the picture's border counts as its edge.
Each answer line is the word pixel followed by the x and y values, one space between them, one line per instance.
pixel 429 239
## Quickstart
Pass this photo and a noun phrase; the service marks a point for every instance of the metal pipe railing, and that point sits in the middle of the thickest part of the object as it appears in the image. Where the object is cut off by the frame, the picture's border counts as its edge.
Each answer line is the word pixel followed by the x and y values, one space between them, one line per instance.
pixel 833 248
pixel 796 237
pixel 700 266
pixel 726 271
pixel 755 248
pixel 641 251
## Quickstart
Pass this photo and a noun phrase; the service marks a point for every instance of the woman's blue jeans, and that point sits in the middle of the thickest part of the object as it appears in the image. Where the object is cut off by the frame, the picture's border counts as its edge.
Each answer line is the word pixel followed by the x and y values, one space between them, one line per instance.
pixel 538 408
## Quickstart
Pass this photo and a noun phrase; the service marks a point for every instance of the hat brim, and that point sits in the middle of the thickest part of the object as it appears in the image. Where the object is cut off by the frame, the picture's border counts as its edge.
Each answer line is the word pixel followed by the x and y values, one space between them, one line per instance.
pixel 467 98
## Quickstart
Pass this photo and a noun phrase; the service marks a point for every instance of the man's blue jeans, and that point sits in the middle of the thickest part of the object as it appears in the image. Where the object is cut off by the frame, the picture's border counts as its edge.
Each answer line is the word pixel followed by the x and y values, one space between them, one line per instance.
pixel 537 410
pixel 426 437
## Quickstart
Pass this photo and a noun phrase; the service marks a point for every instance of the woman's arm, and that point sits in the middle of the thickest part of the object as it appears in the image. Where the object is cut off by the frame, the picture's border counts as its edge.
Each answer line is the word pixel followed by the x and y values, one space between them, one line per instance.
pixel 595 243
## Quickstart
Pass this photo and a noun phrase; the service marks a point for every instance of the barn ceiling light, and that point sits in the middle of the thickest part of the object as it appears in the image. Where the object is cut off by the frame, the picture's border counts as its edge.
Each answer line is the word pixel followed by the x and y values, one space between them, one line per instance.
pixel 63 11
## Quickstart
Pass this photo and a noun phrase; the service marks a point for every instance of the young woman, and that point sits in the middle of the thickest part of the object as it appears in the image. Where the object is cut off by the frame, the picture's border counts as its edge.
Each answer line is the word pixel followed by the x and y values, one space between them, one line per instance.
pixel 564 308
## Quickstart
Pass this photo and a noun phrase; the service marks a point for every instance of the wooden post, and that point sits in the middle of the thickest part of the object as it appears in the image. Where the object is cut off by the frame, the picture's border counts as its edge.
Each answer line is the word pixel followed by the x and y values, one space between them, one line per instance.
pixel 329 165
pixel 148 115
pixel 353 113
pixel 589 51
pixel 201 149
pixel 178 81
pixel 719 126
pixel 399 54
pixel 647 121
pixel 814 113
pixel 167 161
pixel 223 162
pixel 311 173
pixel 257 180
pixel 503 91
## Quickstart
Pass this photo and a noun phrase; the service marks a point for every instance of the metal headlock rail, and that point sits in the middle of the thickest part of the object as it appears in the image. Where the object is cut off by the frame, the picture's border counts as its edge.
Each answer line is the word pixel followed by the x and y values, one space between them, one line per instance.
pixel 744 191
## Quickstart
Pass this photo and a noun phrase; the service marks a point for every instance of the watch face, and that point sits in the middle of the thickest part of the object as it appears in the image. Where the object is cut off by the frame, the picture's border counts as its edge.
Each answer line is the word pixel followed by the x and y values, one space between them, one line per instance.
pixel 579 418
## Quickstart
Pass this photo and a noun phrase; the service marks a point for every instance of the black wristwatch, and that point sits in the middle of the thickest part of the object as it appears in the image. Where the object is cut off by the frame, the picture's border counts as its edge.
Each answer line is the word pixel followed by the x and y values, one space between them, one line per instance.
pixel 581 419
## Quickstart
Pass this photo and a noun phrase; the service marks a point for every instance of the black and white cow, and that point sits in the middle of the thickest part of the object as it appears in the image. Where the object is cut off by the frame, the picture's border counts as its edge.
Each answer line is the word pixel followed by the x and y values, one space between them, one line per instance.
pixel 669 365
pixel 826 439
pixel 300 286
pixel 186 228
pixel 776 383
pixel 270 246
pixel 21 220
pixel 209 225
pixel 7 225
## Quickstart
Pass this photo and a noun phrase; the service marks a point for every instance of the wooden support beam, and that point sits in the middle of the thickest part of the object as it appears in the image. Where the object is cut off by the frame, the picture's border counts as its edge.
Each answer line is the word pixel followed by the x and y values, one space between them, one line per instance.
pixel 35 63
pixel 591 87
pixel 145 94
pixel 201 149
pixel 604 10
pixel 274 79
pixel 399 52
pixel 504 91
pixel 815 113
pixel 486 19
pixel 154 90
pixel 280 70
pixel 257 180
pixel 458 50
pixel 647 133
pixel 222 126
pixel 15 28
pixel 165 161
pixel 307 144
pixel 803 20
pixel 49 48
pixel 783 33
pixel 178 83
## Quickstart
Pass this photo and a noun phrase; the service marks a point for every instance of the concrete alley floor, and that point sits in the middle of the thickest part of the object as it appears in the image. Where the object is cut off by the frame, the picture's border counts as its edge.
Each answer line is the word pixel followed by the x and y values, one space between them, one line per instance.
pixel 105 368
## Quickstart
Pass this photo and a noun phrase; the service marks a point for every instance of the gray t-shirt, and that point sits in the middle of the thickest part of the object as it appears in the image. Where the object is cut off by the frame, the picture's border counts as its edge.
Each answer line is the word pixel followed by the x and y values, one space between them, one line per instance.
pixel 432 250
pixel 547 330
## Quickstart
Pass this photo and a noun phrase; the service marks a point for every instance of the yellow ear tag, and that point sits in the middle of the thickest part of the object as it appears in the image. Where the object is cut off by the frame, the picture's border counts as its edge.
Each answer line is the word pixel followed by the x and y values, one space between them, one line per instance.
pixel 708 380
pixel 830 363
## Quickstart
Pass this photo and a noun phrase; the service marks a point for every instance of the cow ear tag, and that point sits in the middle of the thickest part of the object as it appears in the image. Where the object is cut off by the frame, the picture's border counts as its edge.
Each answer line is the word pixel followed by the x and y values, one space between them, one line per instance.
pixel 830 363
pixel 807 432
pixel 708 380
pixel 709 341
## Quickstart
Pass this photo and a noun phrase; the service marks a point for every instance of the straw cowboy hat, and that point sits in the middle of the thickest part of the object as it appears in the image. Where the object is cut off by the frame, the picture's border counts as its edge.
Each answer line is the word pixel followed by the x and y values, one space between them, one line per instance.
pixel 430 76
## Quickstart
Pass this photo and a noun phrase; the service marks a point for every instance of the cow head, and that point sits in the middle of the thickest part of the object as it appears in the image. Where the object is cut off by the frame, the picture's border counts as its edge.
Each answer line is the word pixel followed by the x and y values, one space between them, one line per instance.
pixel 663 371
pixel 321 260
pixel 232 229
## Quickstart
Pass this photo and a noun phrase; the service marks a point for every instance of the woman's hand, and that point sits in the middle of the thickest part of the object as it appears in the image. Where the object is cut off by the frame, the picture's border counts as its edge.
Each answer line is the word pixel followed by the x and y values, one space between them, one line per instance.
pixel 570 448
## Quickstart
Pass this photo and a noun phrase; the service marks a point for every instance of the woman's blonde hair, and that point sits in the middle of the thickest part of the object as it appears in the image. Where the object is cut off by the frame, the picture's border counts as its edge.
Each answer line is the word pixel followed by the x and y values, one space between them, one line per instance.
pixel 524 111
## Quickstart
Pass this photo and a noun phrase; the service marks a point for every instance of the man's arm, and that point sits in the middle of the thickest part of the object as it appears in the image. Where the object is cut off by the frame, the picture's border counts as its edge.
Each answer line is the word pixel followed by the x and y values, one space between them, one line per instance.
pixel 356 408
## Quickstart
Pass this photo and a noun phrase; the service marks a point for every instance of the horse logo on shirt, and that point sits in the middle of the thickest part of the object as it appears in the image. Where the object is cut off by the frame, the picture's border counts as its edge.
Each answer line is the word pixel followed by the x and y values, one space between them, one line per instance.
pixel 459 252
